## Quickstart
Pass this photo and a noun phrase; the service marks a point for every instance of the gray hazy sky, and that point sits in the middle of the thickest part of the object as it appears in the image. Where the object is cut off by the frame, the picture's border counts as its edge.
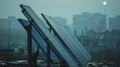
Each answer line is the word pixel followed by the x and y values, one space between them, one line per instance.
pixel 62 8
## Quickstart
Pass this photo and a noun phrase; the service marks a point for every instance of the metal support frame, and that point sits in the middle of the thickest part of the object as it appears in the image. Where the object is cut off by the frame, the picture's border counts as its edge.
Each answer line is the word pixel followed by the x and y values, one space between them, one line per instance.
pixel 29 33
pixel 29 38
pixel 30 55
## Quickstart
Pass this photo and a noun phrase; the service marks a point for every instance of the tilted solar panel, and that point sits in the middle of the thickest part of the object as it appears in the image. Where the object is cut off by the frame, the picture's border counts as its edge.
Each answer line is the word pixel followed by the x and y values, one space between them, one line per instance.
pixel 38 39
pixel 69 40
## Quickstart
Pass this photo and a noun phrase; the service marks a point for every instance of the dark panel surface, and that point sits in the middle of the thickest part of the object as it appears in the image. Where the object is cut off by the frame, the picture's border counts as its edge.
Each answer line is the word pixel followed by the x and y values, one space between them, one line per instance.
pixel 38 39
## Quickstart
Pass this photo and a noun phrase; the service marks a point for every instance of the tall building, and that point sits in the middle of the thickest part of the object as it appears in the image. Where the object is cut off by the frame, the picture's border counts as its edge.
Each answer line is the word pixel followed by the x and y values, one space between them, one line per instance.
pixel 11 32
pixel 114 23
pixel 86 22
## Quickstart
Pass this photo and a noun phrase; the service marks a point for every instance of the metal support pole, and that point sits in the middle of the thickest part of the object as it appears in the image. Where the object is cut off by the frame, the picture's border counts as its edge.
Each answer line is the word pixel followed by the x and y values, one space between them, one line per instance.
pixel 62 63
pixel 48 56
pixel 29 38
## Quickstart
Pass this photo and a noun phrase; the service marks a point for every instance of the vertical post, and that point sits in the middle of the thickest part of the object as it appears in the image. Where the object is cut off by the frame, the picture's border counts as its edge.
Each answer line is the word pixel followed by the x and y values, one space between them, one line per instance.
pixel 48 53
pixel 62 63
pixel 48 56
pixel 29 36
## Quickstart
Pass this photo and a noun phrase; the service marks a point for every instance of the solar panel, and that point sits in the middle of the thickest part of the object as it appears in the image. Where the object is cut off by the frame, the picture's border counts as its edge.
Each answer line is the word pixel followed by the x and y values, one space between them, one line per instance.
pixel 48 37
pixel 38 39
pixel 69 40
pixel 67 29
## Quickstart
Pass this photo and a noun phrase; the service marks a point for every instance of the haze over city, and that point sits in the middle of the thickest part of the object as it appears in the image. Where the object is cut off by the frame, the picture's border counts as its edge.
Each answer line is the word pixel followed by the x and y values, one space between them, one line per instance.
pixel 61 8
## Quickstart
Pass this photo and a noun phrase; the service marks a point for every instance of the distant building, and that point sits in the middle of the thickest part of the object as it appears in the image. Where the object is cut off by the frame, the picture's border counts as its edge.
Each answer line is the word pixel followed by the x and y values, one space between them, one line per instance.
pixel 86 22
pixel 13 40
pixel 114 23
pixel 102 45
pixel 11 31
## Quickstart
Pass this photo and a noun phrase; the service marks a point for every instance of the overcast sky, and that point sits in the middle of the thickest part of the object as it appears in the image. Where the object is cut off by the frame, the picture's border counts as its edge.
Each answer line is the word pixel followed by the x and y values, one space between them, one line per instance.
pixel 62 8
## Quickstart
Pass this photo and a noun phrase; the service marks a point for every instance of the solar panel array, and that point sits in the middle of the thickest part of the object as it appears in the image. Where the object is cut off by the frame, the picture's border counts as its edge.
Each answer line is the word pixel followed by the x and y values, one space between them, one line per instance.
pixel 50 39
